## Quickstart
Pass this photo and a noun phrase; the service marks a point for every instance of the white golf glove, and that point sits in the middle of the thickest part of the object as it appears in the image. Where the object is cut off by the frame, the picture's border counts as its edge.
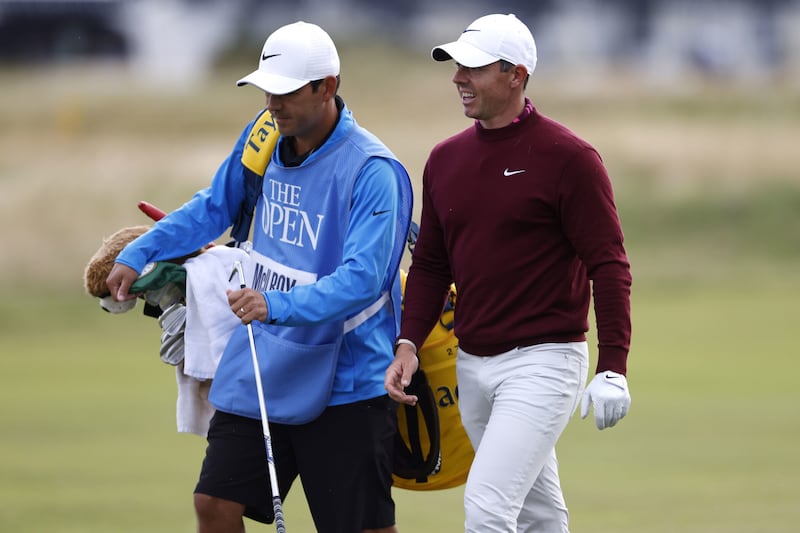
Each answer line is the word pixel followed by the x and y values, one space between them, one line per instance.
pixel 608 394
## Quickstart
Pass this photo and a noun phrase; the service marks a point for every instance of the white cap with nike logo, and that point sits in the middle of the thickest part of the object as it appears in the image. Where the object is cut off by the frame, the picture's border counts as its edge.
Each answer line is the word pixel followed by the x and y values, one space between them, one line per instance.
pixel 294 55
pixel 489 39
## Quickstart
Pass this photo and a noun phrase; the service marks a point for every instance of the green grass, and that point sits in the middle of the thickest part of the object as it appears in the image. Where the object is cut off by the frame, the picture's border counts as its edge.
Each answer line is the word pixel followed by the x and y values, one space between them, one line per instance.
pixel 89 442
pixel 710 442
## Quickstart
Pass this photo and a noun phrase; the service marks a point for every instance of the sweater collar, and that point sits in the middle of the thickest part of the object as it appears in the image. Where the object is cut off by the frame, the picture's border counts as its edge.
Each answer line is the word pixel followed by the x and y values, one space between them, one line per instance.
pixel 506 131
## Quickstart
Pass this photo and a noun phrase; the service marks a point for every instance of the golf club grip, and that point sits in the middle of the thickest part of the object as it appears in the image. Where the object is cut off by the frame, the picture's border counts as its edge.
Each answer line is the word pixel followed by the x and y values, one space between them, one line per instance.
pixel 278 508
pixel 152 211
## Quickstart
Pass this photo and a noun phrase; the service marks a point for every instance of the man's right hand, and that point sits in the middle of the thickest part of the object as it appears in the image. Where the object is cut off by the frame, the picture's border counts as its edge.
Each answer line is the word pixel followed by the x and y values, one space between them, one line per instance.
pixel 119 281
pixel 398 375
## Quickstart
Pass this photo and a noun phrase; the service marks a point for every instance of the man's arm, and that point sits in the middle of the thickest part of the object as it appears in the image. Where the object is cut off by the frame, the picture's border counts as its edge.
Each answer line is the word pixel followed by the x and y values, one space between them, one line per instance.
pixel 429 277
pixel 427 286
pixel 184 231
pixel 591 222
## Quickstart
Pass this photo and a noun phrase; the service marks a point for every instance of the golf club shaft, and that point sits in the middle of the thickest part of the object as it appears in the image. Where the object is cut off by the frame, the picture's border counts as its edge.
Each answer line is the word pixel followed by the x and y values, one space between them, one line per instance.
pixel 277 505
pixel 273 479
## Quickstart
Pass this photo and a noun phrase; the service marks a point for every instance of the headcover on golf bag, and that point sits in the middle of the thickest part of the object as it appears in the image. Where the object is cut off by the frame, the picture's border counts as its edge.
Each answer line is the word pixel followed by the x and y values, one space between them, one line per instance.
pixel 162 286
pixel 432 450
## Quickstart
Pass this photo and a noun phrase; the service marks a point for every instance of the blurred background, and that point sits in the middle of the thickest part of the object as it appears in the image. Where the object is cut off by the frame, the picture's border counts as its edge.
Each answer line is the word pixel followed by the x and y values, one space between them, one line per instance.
pixel 693 105
pixel 108 101
pixel 171 40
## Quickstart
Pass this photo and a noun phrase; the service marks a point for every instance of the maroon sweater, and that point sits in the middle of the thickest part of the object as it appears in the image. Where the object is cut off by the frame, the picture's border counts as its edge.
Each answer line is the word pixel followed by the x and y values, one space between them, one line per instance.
pixel 521 218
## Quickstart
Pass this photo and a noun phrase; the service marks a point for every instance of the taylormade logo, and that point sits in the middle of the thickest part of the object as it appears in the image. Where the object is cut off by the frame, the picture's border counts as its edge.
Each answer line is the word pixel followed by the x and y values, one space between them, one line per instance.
pixel 259 137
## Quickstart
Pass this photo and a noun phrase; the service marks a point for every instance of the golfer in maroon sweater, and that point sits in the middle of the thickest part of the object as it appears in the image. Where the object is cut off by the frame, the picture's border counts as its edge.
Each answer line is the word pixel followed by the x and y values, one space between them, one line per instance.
pixel 519 212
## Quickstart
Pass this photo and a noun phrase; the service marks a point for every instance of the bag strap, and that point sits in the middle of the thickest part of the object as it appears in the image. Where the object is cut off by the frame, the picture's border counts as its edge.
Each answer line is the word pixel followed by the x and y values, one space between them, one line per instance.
pixel 409 460
pixel 257 152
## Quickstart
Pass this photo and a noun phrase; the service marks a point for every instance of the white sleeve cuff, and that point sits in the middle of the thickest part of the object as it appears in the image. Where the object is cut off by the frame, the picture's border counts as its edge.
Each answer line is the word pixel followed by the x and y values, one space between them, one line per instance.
pixel 406 341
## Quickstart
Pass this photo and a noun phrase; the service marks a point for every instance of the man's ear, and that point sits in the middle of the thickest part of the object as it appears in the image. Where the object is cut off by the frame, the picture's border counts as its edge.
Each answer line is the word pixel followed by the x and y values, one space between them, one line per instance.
pixel 520 75
pixel 330 85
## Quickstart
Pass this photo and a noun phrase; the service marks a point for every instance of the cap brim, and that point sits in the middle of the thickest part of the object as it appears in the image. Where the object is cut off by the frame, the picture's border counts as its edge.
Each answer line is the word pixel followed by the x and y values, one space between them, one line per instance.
pixel 463 54
pixel 271 83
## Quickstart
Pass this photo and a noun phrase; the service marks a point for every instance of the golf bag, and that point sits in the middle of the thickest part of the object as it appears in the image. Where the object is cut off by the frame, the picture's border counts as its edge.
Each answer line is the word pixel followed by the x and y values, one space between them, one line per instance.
pixel 432 450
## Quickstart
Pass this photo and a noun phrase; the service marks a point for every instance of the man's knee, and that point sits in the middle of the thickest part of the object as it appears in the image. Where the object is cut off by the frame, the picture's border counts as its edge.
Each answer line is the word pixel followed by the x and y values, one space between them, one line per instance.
pixel 217 515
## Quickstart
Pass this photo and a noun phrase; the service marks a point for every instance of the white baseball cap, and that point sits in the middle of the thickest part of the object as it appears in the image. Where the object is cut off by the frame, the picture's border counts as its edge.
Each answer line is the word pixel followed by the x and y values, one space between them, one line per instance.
pixel 292 56
pixel 489 39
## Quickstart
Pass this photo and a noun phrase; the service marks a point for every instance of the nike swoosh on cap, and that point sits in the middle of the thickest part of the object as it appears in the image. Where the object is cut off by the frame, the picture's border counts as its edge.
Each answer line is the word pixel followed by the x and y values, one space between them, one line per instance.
pixel 264 57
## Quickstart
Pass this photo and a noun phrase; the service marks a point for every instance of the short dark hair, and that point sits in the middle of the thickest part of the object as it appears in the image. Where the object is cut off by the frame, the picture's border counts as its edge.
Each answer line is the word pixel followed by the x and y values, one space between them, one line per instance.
pixel 505 66
pixel 316 83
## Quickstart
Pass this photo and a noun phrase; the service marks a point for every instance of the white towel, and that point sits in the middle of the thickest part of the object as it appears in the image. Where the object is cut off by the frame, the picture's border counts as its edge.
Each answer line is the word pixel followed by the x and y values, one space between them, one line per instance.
pixel 209 320
pixel 209 325
pixel 193 410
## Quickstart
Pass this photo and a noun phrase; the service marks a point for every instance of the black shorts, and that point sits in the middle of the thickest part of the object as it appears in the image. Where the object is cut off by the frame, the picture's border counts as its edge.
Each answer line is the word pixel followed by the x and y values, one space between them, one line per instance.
pixel 344 460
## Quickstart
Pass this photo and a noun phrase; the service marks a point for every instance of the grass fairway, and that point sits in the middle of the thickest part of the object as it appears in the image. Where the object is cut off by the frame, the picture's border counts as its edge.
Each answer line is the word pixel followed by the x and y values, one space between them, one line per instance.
pixel 89 443
pixel 710 441
pixel 712 221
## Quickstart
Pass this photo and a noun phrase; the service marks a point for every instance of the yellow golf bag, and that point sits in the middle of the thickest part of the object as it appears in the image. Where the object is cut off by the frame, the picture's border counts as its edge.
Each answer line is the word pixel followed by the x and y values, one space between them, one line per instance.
pixel 432 450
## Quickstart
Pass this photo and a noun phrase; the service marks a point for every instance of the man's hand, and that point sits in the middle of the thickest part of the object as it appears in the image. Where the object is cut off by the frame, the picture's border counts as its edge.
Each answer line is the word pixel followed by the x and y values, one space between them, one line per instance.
pixel 119 281
pixel 398 375
pixel 608 394
pixel 248 305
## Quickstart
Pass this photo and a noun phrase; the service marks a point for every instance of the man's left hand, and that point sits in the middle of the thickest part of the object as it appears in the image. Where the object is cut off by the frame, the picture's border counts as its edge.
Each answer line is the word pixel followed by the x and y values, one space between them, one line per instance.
pixel 608 394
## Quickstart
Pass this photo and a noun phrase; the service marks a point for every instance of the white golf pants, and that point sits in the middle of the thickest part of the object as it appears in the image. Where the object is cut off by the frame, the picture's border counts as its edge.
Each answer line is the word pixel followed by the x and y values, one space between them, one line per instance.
pixel 514 407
